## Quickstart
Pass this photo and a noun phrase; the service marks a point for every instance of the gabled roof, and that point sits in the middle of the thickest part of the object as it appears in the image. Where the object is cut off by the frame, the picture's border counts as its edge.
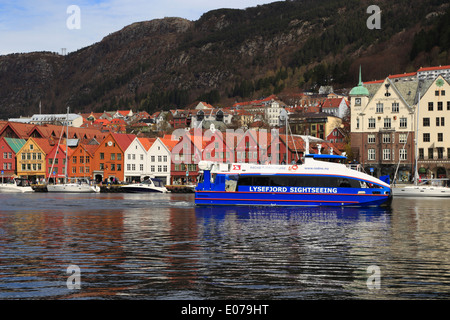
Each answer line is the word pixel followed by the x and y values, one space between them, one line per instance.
pixel 169 143
pixel 44 144
pixel 123 139
pixel 22 130
pixel 146 142
pixel 15 144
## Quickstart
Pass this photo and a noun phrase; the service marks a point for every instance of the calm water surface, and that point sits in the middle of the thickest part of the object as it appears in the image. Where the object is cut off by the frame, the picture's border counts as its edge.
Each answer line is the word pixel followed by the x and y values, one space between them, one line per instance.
pixel 160 246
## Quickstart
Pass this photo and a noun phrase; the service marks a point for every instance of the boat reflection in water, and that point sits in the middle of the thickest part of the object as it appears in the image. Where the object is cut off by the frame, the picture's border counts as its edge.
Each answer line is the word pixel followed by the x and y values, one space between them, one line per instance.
pixel 312 213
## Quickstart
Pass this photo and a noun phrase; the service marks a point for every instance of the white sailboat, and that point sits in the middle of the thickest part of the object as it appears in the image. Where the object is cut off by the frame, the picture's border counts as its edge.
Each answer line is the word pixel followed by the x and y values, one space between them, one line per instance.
pixel 426 187
pixel 77 186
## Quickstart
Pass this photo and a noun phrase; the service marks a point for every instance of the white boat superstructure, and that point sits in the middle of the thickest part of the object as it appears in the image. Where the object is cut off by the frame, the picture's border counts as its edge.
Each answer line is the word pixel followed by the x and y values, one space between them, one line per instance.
pixel 148 185
pixel 73 187
pixel 16 185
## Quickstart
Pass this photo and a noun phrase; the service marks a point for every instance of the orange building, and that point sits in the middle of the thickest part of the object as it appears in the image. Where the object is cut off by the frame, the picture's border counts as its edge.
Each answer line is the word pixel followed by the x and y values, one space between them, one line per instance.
pixel 109 157
pixel 81 161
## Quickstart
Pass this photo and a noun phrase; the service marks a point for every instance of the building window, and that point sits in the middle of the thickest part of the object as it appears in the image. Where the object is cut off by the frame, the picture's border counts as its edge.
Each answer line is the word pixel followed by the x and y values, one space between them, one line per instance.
pixel 102 156
pixel 371 154
pixel 440 137
pixel 403 122
pixel 442 92
pixel 448 153
pixel 386 154
pixel 113 167
pixel 436 93
pixel 403 154
pixel 421 154
pixel 448 105
pixel 386 138
pixel 430 153
pixel 371 138
pixel 379 108
pixel 426 122
pixel 113 156
pixel 440 153
pixel 141 167
pixel 430 106
pixel 395 107
pixel 426 137
pixel 440 106
pixel 387 123
pixel 357 120
pixel 402 137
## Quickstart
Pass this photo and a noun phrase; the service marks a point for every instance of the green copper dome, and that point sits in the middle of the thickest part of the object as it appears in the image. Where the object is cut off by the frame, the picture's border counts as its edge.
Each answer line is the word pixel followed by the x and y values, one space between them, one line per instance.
pixel 360 90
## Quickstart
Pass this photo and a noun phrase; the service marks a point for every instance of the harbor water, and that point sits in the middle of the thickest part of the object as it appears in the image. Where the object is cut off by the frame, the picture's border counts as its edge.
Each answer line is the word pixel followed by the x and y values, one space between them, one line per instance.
pixel 163 247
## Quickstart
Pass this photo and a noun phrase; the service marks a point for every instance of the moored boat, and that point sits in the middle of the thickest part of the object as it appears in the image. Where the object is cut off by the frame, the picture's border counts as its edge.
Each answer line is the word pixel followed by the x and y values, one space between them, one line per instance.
pixel 428 188
pixel 80 186
pixel 148 185
pixel 323 180
pixel 16 185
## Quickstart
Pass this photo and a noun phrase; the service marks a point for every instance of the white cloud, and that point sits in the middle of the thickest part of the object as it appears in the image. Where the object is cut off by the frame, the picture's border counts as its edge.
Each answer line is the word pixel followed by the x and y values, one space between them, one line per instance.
pixel 27 25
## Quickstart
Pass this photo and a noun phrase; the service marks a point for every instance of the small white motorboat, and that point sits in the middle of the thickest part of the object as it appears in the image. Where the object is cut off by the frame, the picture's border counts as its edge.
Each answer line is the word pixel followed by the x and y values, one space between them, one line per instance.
pixel 16 185
pixel 148 185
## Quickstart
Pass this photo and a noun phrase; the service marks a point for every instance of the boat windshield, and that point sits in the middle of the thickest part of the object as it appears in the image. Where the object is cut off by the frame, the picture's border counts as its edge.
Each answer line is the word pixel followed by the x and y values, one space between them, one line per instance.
pixel 158 183
pixel 22 183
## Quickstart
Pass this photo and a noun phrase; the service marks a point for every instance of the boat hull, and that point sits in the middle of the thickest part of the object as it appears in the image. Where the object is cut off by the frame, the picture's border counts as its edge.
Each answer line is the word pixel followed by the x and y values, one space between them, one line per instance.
pixel 142 189
pixel 290 199
pixel 421 191
pixel 72 188
pixel 15 189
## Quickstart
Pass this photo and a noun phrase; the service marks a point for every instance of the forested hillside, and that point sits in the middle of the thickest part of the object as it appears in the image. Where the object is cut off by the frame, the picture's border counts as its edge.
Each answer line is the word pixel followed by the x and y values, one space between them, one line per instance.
pixel 229 55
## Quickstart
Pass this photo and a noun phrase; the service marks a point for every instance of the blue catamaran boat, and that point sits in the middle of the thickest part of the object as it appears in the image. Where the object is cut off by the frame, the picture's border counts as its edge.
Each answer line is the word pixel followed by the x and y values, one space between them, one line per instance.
pixel 322 180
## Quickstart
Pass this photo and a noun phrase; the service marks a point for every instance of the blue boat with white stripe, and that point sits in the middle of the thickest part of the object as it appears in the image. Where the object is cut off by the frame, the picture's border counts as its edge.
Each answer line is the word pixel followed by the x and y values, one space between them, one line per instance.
pixel 322 180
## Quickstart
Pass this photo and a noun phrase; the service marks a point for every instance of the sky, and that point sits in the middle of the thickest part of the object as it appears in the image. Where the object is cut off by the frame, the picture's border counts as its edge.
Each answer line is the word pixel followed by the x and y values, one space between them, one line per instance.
pixel 51 25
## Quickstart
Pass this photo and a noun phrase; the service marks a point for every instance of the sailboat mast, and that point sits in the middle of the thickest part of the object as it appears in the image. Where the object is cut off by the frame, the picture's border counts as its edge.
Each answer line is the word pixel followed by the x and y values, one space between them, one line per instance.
pixel 67 148
pixel 416 173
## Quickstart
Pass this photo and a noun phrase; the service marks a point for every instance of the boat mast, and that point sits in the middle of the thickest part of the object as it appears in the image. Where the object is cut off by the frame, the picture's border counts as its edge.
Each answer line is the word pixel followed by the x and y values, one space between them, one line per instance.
pixel 67 148
pixel 416 173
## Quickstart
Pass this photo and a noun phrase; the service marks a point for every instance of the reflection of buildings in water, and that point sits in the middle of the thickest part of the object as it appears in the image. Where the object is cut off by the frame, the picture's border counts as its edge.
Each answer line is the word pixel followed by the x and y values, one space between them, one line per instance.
pixel 44 243
pixel 161 244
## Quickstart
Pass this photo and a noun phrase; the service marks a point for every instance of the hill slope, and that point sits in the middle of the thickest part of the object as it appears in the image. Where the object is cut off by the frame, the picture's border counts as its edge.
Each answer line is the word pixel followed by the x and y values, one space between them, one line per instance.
pixel 229 55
